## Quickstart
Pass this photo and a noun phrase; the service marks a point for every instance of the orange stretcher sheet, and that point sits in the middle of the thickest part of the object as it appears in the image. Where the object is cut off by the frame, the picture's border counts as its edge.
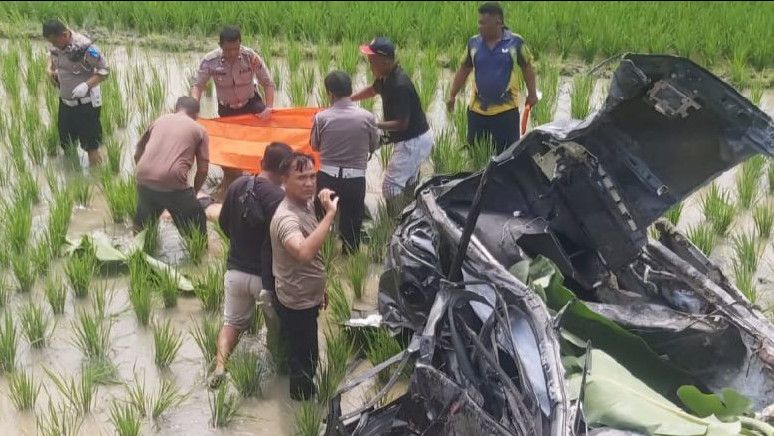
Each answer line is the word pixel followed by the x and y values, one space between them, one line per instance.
pixel 239 141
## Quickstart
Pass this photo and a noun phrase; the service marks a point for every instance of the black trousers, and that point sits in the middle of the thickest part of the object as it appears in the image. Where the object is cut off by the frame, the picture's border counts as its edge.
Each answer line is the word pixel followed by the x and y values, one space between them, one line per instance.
pixel 185 209
pixel 351 206
pixel 503 128
pixel 253 106
pixel 299 330
pixel 79 124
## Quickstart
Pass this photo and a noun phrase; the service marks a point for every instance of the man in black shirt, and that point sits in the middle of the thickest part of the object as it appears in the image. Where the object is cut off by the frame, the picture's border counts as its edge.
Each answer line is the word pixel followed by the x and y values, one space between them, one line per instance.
pixel 245 216
pixel 404 120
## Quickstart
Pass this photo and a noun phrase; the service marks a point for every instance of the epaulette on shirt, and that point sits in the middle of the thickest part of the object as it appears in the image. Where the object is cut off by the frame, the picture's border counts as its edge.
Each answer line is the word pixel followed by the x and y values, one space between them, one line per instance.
pixel 93 52
pixel 215 54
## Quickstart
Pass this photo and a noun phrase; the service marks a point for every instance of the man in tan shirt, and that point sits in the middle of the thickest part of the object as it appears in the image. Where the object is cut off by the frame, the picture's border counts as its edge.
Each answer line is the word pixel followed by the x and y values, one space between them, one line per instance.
pixel 164 157
pixel 296 239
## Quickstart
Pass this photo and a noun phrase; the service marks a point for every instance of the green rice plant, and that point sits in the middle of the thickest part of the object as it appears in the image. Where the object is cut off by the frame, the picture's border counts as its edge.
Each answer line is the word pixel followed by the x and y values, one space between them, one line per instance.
pixel 138 398
pixel 205 335
pixel 113 154
pixel 152 238
pixel 748 180
pixel 744 279
pixel 195 242
pixel 121 198
pixel 379 233
pixel 40 255
pixel 748 250
pixel 36 326
pixel 80 269
pixel 329 251
pixel 674 213
pixel 208 287
pixel 50 139
pixel 28 187
pixel 141 285
pixel 348 58
pixel 59 220
pixel 101 299
pixel 582 85
pixel 770 174
pixel 22 270
pixel 56 294
pixel 91 335
pixel 385 155
pixel 258 321
pixel 323 56
pixel 9 72
pixel 459 118
pixel 357 271
pixel 739 66
pixel 294 57
pixel 718 209
pixel 36 67
pixel 7 343
pixel 763 215
pixel 167 342
pixel 17 219
pixel 166 286
pixel 543 112
pixel 78 392
pixel 5 290
pixel 703 237
pixel 102 371
pixel 756 92
pixel 338 350
pixel 301 84
pixel 125 419
pixel 428 79
pixel 167 397
pixel 308 419
pixel 23 390
pixel 380 346
pixel 480 152
pixel 447 155
pixel 16 140
pixel 81 190
pixel 58 421
pixel 224 406
pixel 278 350
pixel 338 302
pixel 247 370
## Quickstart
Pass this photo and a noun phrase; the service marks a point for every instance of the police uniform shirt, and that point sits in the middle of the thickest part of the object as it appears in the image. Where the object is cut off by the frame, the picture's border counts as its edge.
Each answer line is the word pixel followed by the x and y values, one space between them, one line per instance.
pixel 76 63
pixel 233 82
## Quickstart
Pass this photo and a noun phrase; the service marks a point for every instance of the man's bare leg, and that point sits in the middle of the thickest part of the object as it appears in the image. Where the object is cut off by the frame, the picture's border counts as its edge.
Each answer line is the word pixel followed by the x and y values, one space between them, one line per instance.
pixel 227 341
pixel 95 158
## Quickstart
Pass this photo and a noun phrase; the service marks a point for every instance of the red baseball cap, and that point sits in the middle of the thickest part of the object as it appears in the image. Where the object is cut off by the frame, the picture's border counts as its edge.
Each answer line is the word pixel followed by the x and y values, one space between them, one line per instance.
pixel 379 46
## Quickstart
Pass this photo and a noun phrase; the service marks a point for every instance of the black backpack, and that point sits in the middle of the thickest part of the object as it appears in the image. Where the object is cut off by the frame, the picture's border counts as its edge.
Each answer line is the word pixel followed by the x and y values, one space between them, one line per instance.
pixel 252 212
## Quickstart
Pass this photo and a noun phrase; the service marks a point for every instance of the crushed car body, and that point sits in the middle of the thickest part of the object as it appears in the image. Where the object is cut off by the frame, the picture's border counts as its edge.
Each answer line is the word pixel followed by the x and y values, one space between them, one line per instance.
pixel 496 274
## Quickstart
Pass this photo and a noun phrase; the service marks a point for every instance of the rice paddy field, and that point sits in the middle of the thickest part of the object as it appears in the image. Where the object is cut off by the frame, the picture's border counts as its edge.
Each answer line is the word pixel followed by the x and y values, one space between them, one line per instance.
pixel 98 337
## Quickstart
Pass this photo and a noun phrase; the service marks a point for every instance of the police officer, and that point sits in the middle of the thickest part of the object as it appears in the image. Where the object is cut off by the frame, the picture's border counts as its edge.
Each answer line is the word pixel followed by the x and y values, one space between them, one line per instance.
pixel 233 67
pixel 76 67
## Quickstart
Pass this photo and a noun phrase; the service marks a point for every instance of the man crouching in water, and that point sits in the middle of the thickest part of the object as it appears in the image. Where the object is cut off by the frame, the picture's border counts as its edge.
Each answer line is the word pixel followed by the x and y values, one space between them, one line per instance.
pixel 245 216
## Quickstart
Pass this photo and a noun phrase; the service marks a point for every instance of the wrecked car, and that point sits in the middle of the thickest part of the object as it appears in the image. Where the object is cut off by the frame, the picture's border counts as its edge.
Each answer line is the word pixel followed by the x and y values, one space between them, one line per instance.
pixel 535 300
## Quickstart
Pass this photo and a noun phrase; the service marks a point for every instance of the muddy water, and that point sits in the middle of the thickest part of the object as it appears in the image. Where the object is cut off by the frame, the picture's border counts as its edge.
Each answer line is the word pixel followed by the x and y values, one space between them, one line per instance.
pixel 132 345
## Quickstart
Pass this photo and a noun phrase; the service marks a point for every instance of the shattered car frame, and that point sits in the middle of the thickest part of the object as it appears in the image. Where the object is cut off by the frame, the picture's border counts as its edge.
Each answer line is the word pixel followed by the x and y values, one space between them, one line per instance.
pixel 486 346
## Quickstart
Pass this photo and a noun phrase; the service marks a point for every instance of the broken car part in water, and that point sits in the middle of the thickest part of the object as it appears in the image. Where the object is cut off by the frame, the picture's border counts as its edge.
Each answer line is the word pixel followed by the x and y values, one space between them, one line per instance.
pixel 556 272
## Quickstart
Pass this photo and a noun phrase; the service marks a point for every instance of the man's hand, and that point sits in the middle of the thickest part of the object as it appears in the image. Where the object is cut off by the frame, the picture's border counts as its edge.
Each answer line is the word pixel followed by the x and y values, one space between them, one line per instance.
pixel 329 204
pixel 265 114
pixel 81 90
pixel 531 100
pixel 450 104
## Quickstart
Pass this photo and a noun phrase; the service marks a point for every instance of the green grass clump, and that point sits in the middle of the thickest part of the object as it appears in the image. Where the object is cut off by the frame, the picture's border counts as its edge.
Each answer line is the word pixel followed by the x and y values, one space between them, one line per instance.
pixel 195 242
pixel 447 155
pixel 329 251
pixel 58 421
pixel 674 213
pixel 125 419
pixel 748 250
pixel 247 370
pixel 748 180
pixel 480 152
pixel 301 83
pixel 121 198
pixel 357 271
pixel 56 294
pixel 380 346
pixel 80 270
pixel 703 237
pixel 17 219
pixel 8 344
pixel 113 154
pixel 338 350
pixel 379 233
pixel 208 287
pixel 167 397
pixel 22 270
pixel 543 112
pixel 385 155
pixel 224 406
pixel 718 209
pixel 36 326
pixel 23 390
pixel 41 255
pixel 81 190
pixel 91 335
pixel 763 215
pixel 744 279
pixel 28 187
pixel 308 419
pixel 166 287
pixel 205 335
pixel 141 288
pixel 152 238
pixel 79 393
pixel 580 97
pixel 59 220
pixel 5 290
pixel 167 342
pixel 339 306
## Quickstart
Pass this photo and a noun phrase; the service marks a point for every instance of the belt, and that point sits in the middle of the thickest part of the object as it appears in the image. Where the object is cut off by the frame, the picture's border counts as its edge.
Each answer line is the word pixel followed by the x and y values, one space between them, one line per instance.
pixel 341 172
pixel 76 101
pixel 234 106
